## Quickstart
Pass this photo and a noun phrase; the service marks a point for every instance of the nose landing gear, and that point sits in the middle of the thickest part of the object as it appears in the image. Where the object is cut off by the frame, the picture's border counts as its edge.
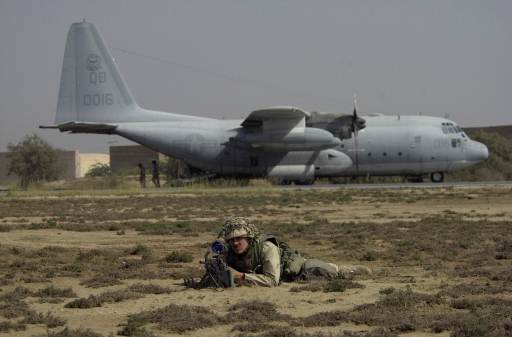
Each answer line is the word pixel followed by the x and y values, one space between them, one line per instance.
pixel 437 177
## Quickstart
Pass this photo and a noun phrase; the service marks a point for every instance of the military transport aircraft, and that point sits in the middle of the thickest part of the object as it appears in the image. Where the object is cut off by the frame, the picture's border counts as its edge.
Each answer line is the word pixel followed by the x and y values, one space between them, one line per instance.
pixel 287 143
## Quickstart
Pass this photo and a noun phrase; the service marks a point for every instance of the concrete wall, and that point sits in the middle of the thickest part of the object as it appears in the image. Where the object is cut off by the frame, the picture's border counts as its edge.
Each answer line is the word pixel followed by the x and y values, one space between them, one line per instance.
pixel 69 163
pixel 88 160
pixel 127 157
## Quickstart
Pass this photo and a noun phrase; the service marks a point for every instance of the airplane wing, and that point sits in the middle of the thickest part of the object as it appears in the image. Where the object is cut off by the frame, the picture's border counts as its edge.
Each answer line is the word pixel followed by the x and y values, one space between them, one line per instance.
pixel 83 127
pixel 276 119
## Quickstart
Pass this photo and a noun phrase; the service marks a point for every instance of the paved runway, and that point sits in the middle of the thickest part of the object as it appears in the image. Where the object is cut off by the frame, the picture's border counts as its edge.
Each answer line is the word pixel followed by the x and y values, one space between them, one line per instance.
pixel 454 184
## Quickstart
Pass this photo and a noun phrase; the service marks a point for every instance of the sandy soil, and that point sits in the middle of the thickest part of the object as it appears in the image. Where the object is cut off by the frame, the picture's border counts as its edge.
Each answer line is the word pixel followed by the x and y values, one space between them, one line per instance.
pixel 108 318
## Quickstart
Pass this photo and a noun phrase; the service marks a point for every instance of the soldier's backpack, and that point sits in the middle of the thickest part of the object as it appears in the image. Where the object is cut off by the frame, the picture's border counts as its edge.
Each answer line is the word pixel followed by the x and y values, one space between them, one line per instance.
pixel 291 261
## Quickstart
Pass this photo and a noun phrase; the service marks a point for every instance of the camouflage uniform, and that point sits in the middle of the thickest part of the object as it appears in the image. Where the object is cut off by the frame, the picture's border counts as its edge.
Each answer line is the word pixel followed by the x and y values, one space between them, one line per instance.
pixel 262 262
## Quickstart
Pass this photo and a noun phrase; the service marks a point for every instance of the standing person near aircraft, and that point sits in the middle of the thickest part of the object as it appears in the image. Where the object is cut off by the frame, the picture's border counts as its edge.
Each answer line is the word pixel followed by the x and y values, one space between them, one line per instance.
pixel 155 173
pixel 142 175
pixel 258 259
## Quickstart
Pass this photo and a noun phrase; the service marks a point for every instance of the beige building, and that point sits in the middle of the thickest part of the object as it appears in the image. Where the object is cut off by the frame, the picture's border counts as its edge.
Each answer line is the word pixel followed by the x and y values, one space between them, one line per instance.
pixel 88 160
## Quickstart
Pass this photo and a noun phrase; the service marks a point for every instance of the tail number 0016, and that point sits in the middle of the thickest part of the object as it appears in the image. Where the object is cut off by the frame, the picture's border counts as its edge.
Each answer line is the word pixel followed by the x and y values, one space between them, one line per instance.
pixel 99 99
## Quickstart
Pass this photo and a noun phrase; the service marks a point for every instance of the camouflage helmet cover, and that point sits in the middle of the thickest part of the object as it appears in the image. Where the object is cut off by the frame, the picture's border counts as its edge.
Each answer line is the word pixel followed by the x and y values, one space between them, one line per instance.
pixel 238 227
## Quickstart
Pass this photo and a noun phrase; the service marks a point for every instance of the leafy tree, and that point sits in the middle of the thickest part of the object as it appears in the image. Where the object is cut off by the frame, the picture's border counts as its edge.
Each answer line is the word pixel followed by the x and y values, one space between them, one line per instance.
pixel 33 160
pixel 99 170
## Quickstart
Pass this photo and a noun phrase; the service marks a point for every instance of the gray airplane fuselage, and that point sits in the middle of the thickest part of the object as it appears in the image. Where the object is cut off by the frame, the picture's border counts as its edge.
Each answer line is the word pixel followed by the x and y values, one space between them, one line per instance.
pixel 388 145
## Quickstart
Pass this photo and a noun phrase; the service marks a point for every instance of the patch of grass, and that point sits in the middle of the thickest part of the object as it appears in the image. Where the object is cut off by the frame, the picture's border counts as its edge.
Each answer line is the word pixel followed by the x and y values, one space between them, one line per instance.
pixel 173 318
pixel 140 249
pixel 11 304
pixel 176 257
pixel 256 311
pixel 69 332
pixel 464 289
pixel 313 287
pixel 52 292
pixel 370 255
pixel 106 297
pixel 48 319
pixel 150 289
pixel 340 284
pixel 7 326
pixel 329 318
pixel 102 280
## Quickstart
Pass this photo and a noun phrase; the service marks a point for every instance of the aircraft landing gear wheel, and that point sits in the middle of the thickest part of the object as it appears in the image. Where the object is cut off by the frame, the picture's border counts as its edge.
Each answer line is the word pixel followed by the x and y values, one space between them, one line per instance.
pixel 310 181
pixel 437 177
pixel 285 182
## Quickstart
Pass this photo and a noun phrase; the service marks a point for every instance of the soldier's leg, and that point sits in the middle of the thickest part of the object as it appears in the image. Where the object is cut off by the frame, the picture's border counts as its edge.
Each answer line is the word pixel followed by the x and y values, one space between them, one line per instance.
pixel 315 267
pixel 348 271
pixel 319 268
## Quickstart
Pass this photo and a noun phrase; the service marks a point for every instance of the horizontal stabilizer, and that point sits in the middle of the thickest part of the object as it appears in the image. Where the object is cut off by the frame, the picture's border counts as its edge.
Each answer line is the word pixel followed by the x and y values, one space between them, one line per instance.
pixel 82 127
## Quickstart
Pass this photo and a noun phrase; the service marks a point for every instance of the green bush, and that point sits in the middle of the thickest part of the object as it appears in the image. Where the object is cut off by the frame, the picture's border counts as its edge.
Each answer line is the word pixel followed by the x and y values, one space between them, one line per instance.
pixel 99 170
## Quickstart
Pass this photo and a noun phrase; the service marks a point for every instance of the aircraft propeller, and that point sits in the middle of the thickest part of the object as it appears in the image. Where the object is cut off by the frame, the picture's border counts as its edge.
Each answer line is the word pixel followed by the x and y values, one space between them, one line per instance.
pixel 355 130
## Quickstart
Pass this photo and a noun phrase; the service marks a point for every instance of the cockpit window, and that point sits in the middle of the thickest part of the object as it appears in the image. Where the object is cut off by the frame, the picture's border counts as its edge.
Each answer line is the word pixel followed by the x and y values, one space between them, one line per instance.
pixel 451 128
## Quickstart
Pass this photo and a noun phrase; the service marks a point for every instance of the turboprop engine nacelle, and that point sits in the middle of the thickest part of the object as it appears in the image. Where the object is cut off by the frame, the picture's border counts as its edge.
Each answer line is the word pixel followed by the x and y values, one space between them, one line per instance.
pixel 327 163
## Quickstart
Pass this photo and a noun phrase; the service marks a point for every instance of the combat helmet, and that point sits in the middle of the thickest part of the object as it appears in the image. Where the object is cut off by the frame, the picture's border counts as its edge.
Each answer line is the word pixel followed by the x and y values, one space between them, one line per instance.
pixel 237 226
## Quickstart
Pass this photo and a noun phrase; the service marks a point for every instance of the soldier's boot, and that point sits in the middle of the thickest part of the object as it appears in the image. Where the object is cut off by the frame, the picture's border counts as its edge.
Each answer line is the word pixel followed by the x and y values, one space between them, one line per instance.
pixel 349 271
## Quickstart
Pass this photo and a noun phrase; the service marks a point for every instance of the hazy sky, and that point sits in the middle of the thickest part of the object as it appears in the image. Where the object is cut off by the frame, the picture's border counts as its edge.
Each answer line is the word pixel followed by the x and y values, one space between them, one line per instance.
pixel 226 58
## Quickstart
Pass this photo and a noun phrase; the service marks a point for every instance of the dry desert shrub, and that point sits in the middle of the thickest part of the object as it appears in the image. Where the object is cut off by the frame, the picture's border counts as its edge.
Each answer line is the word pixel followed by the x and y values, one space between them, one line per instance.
pixel 12 305
pixel 256 311
pixel 173 318
pixel 106 297
pixel 177 257
pixel 52 291
pixel 69 332
pixel 338 284
pixel 7 326
pixel 47 319
pixel 150 289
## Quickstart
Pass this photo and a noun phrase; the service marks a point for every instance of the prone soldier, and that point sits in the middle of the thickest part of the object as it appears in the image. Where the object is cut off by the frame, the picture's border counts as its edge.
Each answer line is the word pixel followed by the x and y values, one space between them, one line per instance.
pixel 253 258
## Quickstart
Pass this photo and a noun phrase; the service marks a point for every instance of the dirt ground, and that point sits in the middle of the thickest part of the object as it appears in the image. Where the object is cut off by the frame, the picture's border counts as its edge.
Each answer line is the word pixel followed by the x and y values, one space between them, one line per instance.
pixel 417 241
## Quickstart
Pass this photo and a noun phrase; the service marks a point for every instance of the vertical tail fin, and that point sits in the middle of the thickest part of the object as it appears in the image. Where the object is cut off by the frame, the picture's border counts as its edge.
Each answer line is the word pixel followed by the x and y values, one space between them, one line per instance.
pixel 91 86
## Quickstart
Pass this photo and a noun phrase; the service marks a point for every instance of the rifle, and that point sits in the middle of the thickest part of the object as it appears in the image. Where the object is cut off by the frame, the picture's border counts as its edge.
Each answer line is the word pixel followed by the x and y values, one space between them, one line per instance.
pixel 217 273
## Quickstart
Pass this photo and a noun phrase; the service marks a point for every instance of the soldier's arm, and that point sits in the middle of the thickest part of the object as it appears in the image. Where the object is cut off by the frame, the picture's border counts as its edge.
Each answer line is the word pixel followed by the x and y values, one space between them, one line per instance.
pixel 271 267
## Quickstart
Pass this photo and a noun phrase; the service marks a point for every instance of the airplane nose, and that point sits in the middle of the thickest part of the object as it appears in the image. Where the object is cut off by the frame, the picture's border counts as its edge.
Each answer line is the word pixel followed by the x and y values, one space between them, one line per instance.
pixel 477 152
pixel 485 151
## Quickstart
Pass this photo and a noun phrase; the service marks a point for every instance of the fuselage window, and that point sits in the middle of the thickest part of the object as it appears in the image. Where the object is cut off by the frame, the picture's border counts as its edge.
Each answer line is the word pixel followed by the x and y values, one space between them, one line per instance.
pixel 454 142
pixel 369 154
pixel 384 154
pixel 399 154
